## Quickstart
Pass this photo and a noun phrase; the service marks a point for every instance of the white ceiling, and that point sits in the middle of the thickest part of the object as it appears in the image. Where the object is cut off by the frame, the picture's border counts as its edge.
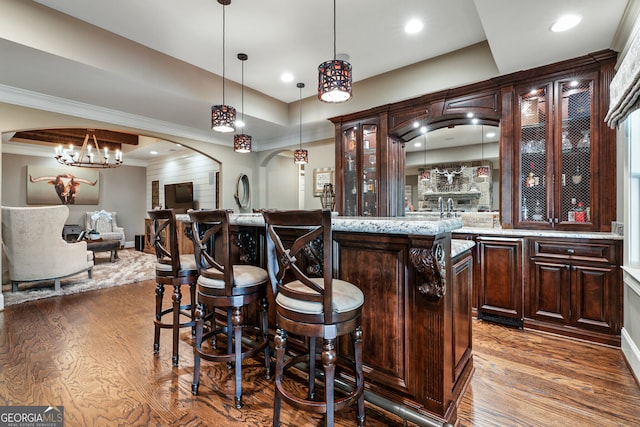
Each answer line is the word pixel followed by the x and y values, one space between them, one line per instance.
pixel 296 36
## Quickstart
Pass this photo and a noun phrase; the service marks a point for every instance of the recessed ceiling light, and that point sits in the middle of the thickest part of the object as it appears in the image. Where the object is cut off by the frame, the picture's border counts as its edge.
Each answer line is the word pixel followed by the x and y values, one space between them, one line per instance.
pixel 416 125
pixel 286 77
pixel 423 129
pixel 239 124
pixel 417 144
pixel 491 134
pixel 413 26
pixel 153 152
pixel 565 22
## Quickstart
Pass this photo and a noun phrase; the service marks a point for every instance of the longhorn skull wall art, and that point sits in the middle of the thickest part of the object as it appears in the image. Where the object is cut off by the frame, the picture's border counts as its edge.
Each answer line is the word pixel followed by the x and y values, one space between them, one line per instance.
pixel 55 186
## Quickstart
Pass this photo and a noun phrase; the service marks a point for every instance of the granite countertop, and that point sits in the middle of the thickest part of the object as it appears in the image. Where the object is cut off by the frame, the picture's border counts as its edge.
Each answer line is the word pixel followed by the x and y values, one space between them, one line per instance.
pixel 459 246
pixel 416 226
pixel 513 232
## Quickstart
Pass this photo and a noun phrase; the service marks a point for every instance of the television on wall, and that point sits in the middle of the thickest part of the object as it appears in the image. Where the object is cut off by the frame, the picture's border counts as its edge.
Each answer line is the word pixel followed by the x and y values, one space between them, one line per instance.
pixel 179 196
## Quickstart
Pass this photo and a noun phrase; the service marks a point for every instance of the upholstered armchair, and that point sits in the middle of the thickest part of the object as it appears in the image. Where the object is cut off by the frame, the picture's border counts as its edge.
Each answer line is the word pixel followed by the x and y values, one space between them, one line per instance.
pixel 106 224
pixel 35 249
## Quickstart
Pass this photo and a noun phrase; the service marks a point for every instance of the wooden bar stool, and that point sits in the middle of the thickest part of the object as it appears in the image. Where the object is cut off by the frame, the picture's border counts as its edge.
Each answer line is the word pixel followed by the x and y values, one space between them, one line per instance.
pixel 229 287
pixel 175 270
pixel 311 303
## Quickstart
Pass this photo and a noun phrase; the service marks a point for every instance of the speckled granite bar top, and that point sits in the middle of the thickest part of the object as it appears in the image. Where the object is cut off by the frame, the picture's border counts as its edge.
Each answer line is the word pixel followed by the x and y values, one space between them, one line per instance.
pixel 416 226
pixel 537 233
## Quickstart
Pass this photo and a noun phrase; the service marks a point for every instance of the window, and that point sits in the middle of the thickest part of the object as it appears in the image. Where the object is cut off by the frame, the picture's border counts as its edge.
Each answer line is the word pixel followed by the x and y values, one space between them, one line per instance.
pixel 632 136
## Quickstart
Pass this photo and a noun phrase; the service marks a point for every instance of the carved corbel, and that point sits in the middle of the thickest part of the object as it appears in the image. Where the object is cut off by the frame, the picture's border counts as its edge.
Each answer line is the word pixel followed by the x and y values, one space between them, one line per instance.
pixel 430 266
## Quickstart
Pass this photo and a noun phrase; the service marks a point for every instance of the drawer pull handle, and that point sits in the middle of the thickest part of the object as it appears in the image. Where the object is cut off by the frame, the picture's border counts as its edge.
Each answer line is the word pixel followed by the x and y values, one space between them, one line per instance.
pixel 570 251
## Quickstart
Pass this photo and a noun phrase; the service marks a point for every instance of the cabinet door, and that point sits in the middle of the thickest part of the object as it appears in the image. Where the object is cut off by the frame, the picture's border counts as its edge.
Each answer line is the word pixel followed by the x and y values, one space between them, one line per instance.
pixel 535 153
pixel 360 172
pixel 500 281
pixel 574 183
pixel 594 298
pixel 462 272
pixel 550 292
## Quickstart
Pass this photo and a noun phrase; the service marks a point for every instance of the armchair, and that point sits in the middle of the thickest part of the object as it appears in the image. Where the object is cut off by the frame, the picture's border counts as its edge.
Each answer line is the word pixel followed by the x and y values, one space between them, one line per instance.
pixel 35 249
pixel 106 224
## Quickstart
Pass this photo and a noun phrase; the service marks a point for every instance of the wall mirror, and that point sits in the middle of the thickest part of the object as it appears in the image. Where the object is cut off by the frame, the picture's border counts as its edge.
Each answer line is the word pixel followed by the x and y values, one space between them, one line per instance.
pixel 243 193
pixel 460 162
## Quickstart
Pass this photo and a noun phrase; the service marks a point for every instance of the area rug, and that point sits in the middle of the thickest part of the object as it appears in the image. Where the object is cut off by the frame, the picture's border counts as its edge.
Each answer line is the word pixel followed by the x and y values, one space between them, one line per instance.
pixel 133 266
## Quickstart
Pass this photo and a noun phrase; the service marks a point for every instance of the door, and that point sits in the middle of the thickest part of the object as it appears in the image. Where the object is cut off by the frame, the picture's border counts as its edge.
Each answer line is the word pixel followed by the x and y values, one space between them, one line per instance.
pixel 500 282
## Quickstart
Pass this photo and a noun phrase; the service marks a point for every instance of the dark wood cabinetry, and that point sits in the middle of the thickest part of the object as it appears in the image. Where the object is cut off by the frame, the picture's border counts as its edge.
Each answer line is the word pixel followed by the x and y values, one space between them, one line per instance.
pixel 369 167
pixel 500 279
pixel 574 288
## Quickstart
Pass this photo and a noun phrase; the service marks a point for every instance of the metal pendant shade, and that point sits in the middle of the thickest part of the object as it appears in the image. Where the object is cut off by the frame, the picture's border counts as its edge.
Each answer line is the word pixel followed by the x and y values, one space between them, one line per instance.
pixel 300 156
pixel 242 141
pixel 223 117
pixel 334 76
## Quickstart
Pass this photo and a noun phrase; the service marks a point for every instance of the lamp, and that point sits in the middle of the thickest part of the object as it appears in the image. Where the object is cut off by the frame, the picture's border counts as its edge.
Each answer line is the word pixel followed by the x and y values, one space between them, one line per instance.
pixel 87 157
pixel 223 117
pixel 482 171
pixel 242 141
pixel 300 156
pixel 334 76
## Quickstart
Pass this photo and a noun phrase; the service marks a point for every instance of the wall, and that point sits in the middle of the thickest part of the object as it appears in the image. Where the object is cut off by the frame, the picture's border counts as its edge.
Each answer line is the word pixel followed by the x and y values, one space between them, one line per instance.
pixel 194 167
pixel 120 191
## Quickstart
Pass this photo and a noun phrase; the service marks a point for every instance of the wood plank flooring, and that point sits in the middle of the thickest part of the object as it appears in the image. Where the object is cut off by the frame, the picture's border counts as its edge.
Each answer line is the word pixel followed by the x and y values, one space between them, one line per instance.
pixel 92 353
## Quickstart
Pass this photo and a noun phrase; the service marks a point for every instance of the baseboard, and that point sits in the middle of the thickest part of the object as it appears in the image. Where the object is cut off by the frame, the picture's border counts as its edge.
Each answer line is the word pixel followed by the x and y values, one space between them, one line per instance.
pixel 129 245
pixel 631 353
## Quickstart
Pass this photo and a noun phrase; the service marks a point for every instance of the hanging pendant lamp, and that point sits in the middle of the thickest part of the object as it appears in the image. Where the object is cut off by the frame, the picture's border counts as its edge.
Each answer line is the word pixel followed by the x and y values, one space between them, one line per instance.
pixel 300 156
pixel 242 141
pixel 334 76
pixel 482 171
pixel 223 117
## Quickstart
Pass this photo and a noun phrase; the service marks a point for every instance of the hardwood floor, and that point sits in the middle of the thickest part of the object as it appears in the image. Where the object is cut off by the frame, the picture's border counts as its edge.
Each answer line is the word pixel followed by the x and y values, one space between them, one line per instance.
pixel 92 353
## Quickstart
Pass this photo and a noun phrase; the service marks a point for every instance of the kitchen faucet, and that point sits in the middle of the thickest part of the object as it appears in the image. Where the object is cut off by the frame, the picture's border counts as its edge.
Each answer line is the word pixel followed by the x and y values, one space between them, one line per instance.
pixel 449 207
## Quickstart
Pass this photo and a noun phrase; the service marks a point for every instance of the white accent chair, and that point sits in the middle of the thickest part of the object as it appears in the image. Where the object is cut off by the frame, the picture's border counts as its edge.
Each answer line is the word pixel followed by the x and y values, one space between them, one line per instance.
pixel 106 224
pixel 35 249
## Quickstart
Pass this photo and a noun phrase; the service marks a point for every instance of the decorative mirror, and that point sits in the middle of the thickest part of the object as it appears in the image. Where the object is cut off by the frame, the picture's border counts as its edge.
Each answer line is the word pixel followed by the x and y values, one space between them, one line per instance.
pixel 243 194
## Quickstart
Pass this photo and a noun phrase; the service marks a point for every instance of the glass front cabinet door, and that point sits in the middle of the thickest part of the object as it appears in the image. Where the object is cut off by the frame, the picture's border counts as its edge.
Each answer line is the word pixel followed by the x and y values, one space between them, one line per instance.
pixel 554 128
pixel 360 172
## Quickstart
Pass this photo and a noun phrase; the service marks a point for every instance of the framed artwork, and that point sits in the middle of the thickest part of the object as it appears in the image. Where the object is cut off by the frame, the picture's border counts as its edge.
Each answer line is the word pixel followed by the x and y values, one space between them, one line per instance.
pixel 320 178
pixel 55 186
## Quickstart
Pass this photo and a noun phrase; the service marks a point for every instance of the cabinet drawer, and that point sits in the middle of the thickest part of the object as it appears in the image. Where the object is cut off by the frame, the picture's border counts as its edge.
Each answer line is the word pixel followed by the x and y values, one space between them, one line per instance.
pixel 592 251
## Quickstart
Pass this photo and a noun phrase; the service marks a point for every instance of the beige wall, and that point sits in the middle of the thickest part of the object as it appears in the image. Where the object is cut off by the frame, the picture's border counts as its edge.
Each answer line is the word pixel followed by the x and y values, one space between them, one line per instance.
pixel 120 191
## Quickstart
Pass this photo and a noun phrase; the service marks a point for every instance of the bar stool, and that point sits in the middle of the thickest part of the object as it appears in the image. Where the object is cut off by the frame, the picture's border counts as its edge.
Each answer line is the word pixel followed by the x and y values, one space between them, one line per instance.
pixel 174 270
pixel 231 288
pixel 311 303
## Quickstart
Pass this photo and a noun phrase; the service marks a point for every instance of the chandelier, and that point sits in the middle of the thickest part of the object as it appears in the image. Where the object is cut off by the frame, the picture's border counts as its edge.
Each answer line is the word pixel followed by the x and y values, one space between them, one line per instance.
pixel 90 155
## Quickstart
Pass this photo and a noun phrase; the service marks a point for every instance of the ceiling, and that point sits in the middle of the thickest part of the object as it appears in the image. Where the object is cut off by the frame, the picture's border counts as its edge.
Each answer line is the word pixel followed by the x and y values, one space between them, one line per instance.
pixel 292 36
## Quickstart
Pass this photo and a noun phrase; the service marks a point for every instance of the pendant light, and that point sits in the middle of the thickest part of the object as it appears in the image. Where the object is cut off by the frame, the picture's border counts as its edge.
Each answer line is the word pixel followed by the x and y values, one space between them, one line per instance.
pixel 300 156
pixel 223 117
pixel 242 141
pixel 482 171
pixel 334 76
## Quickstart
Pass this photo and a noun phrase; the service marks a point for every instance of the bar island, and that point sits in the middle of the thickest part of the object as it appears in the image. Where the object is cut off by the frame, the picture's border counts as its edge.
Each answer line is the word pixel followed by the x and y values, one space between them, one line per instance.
pixel 417 311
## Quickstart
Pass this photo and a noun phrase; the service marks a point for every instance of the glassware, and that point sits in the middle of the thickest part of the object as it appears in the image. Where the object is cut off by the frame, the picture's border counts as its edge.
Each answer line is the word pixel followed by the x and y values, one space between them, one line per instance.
pixel 566 142
pixel 585 141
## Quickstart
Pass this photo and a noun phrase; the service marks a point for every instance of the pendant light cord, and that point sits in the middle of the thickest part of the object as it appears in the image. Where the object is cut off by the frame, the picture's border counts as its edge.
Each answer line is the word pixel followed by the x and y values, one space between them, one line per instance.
pixel 242 98
pixel 223 40
pixel 300 107
pixel 334 30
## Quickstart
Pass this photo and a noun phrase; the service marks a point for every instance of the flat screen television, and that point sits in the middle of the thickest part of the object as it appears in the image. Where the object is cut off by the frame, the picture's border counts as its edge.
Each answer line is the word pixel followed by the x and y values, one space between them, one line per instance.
pixel 179 196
